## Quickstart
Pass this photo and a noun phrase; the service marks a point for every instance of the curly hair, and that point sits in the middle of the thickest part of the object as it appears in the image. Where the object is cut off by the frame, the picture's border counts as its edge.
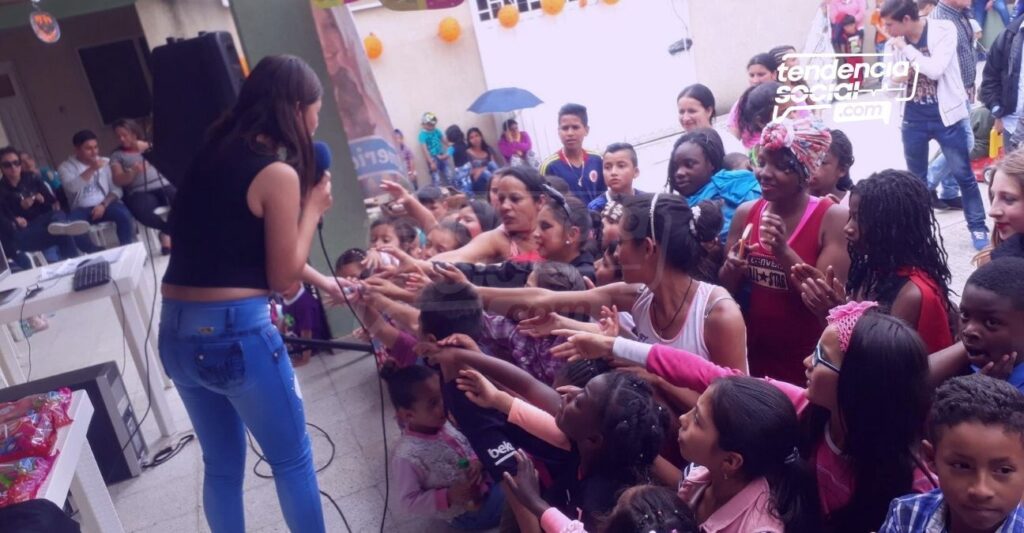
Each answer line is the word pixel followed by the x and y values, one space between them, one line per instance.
pixel 976 398
pixel 842 149
pixel 897 230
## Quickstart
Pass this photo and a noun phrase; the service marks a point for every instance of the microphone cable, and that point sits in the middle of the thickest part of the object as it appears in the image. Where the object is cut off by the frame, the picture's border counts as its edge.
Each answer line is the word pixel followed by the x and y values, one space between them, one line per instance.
pixel 380 383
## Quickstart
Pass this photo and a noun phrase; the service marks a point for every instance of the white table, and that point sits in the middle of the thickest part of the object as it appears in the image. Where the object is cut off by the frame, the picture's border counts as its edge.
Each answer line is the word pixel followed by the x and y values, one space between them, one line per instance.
pixel 75 471
pixel 129 273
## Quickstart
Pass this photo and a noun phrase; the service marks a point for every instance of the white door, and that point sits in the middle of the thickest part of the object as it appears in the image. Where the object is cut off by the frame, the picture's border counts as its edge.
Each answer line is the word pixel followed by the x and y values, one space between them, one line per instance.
pixel 17 126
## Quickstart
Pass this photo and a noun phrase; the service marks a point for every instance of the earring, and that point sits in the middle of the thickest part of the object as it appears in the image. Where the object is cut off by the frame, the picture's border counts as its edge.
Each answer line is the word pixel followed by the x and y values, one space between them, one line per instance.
pixel 567 242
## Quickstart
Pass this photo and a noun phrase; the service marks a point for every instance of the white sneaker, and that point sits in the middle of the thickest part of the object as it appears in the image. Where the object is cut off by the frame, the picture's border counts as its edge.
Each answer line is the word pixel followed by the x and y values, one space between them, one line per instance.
pixel 71 229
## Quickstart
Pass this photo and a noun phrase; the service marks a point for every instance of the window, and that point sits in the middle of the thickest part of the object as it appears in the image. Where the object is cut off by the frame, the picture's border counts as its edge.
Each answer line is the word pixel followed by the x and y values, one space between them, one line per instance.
pixel 488 9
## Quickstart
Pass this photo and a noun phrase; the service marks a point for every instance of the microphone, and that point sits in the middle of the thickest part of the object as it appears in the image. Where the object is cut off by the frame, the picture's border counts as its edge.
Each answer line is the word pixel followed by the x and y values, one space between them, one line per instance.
pixel 322 156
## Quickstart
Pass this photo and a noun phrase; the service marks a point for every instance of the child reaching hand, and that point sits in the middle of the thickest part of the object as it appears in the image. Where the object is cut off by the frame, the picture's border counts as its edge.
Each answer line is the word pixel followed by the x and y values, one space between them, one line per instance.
pixel 436 472
pixel 646 508
pixel 976 447
pixel 612 425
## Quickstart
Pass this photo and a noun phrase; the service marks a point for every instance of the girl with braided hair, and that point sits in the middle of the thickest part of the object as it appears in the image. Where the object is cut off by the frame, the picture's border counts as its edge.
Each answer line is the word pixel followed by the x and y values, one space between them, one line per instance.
pixel 788 227
pixel 897 258
pixel 612 426
pixel 860 413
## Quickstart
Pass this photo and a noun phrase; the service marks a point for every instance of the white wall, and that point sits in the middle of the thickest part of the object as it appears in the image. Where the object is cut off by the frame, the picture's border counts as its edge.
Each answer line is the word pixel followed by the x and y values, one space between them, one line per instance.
pixel 727 33
pixel 612 59
pixel 161 19
pixel 418 72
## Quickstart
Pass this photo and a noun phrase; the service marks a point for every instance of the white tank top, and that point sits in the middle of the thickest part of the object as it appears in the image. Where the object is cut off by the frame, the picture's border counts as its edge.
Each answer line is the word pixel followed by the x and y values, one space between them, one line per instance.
pixel 691 335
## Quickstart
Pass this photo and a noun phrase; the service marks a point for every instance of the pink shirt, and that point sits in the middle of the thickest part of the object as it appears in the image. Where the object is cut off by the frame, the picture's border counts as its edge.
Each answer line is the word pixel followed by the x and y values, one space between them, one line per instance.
pixel 749 510
pixel 683 369
pixel 837 9
pixel 425 466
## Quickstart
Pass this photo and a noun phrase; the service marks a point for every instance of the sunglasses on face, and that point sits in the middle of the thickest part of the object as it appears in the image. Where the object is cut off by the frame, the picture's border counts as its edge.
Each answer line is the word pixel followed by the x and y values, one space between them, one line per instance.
pixel 10 164
pixel 817 359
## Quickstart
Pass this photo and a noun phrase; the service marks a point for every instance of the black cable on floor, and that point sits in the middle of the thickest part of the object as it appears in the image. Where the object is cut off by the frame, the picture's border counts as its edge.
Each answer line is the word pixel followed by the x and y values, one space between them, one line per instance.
pixel 380 382
pixel 263 459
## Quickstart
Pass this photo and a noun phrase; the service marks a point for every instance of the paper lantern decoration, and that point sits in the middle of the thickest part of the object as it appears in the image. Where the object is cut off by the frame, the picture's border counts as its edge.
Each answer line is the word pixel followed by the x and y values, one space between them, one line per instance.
pixel 508 15
pixel 582 3
pixel 611 2
pixel 449 30
pixel 552 7
pixel 374 48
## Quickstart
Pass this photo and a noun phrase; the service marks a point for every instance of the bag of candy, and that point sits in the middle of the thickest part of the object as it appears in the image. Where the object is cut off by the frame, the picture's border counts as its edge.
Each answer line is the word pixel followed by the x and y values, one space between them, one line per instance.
pixel 32 435
pixel 20 480
pixel 55 402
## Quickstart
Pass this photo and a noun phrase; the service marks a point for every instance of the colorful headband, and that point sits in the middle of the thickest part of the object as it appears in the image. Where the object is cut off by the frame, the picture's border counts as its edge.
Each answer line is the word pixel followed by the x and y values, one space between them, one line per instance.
pixel 612 211
pixel 808 140
pixel 845 317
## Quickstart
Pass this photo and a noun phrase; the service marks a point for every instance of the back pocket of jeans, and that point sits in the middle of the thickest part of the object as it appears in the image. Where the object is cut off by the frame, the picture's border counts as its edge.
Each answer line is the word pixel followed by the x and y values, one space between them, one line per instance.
pixel 221 364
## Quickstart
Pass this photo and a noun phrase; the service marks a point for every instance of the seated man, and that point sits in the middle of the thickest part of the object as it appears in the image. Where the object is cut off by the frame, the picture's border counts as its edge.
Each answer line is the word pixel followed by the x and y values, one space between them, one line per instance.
pixel 91 192
pixel 39 225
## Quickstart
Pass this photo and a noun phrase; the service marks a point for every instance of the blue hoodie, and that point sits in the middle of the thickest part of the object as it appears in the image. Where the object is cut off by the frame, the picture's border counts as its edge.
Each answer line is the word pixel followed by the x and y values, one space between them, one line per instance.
pixel 733 187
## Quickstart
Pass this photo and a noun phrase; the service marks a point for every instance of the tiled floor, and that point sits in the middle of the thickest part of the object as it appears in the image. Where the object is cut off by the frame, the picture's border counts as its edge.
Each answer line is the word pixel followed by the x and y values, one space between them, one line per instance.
pixel 341 396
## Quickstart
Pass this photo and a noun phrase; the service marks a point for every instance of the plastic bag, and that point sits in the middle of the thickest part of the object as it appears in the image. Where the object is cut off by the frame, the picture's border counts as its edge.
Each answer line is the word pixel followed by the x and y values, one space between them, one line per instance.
pixel 20 480
pixel 54 402
pixel 32 435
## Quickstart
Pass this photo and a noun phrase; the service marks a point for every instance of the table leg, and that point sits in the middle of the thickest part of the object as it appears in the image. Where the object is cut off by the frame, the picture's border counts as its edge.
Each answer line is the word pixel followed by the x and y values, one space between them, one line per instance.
pixel 145 306
pixel 92 498
pixel 135 330
pixel 9 365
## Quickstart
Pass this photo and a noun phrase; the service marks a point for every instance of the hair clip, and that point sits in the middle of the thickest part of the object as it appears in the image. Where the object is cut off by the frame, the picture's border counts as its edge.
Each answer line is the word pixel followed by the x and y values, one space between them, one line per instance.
pixel 793 456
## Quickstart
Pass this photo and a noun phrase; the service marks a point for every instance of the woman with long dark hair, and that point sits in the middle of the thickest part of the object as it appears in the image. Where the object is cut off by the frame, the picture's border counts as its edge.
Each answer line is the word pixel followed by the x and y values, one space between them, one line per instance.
pixel 483 160
pixel 243 222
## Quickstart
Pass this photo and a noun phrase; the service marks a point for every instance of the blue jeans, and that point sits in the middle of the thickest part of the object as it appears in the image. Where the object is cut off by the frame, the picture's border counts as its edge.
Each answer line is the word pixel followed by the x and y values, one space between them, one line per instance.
pixel 232 371
pixel 955 142
pixel 35 237
pixel 487 516
pixel 116 213
pixel 939 173
pixel 980 14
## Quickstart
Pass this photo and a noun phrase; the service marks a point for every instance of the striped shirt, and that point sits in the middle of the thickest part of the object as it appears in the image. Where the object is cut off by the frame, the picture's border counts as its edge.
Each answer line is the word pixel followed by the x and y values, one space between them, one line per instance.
pixel 926 513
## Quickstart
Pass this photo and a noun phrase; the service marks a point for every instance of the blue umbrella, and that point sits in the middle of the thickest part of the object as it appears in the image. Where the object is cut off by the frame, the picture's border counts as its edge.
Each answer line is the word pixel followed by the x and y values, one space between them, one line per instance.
pixel 504 100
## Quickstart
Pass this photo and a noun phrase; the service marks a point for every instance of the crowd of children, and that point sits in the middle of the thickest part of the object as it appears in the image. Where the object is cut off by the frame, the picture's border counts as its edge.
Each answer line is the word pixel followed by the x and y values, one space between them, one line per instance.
pixel 766 345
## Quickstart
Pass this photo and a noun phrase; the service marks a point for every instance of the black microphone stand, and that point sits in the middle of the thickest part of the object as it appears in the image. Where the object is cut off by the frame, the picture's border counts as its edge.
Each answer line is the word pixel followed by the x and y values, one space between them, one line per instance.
pixel 334 345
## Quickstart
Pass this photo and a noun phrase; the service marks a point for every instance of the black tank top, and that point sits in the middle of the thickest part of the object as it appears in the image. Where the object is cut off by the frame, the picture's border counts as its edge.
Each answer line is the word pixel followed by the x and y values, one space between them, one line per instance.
pixel 218 242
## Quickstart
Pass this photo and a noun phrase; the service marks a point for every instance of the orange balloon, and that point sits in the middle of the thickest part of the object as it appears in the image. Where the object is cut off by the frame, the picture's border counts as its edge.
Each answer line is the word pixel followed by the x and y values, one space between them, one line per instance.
pixel 508 15
pixel 449 30
pixel 374 47
pixel 552 7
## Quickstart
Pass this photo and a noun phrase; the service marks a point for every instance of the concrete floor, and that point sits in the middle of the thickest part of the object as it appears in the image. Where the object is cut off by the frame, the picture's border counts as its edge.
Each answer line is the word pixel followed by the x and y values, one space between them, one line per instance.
pixel 341 396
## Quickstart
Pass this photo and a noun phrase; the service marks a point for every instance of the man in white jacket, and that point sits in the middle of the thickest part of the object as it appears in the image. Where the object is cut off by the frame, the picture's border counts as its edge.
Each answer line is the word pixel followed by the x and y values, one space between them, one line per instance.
pixel 91 191
pixel 937 102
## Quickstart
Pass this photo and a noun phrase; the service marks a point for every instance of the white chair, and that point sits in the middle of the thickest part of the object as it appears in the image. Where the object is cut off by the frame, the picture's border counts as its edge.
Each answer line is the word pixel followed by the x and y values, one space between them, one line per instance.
pixel 153 234
pixel 104 235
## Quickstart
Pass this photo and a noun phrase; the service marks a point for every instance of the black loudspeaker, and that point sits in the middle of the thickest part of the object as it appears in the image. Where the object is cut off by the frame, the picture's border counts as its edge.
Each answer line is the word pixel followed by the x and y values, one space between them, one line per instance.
pixel 113 421
pixel 195 81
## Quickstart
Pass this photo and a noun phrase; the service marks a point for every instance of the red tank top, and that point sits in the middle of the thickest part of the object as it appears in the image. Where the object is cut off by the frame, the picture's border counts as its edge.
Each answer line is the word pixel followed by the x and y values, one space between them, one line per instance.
pixel 781 331
pixel 933 322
